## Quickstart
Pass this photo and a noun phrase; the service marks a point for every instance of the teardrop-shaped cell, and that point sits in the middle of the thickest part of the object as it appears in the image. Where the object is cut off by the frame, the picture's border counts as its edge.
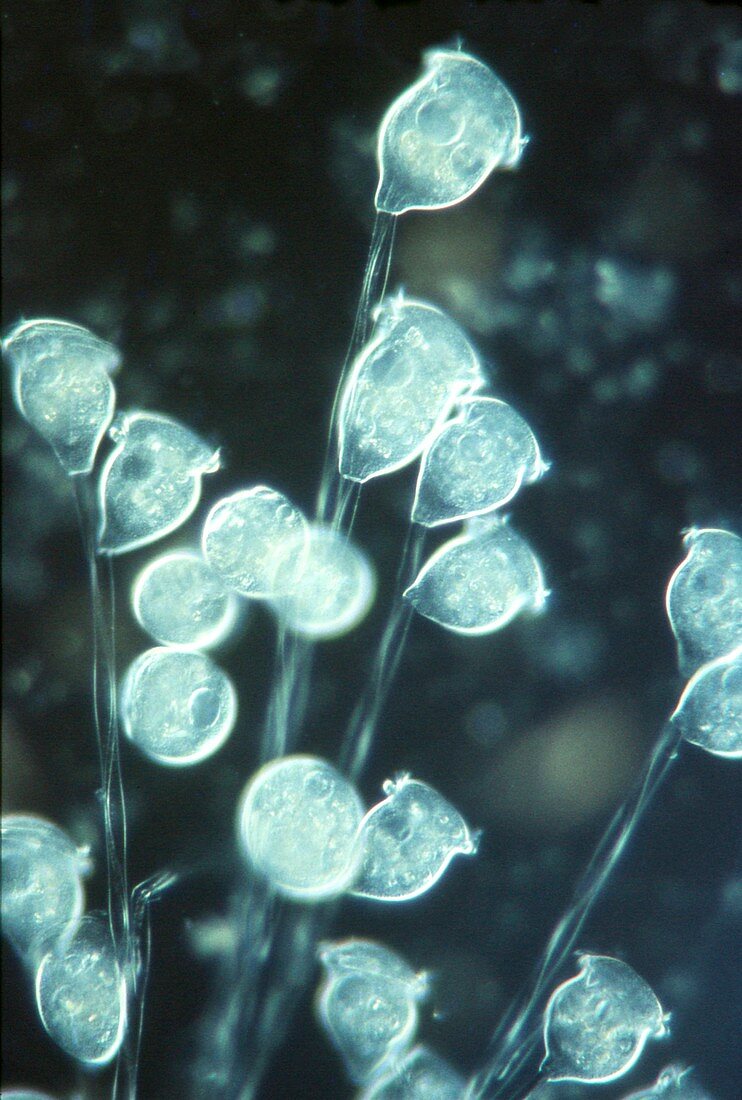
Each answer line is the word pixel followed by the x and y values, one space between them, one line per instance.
pixel 408 841
pixel 298 826
pixel 479 581
pixel 177 706
pixel 327 584
pixel 151 482
pixel 179 600
pixel 442 137
pixel 244 533
pixel 597 1024
pixel 704 597
pixel 476 463
pixel 421 1075
pixel 709 713
pixel 674 1083
pixel 61 385
pixel 402 386
pixel 81 994
pixel 369 1018
pixel 368 957
pixel 42 891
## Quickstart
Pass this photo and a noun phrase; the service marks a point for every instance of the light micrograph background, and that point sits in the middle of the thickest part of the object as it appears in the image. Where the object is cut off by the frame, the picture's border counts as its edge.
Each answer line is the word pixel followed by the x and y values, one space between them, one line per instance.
pixel 195 182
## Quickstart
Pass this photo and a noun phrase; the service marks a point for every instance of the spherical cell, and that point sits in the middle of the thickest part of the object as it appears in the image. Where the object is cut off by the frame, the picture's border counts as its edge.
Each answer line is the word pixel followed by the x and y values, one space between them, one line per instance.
pixel 177 706
pixel 180 601
pixel 298 826
pixel 710 709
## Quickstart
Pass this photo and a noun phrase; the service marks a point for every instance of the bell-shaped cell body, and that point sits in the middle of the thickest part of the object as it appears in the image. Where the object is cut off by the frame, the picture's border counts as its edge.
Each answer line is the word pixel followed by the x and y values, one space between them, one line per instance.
pixel 177 706
pixel 298 827
pixel 368 957
pixel 408 841
pixel 479 581
pixel 61 385
pixel 597 1024
pixel 421 1075
pixel 327 584
pixel 704 598
pixel 151 482
pixel 42 890
pixel 476 463
pixel 370 1018
pixel 709 713
pixel 674 1083
pixel 180 601
pixel 441 138
pixel 401 387
pixel 244 533
pixel 81 994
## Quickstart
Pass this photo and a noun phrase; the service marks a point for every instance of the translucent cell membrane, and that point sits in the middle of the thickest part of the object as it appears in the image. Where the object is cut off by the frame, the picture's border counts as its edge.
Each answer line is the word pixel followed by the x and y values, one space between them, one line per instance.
pixel 298 827
pixel 597 1024
pixel 442 137
pixel 402 385
pixel 177 706
pixel 476 463
pixel 61 385
pixel 327 584
pixel 673 1083
pixel 369 1010
pixel 408 841
pixel 42 890
pixel 242 535
pixel 179 600
pixel 81 994
pixel 151 482
pixel 479 581
pixel 421 1075
pixel 710 709
pixel 704 598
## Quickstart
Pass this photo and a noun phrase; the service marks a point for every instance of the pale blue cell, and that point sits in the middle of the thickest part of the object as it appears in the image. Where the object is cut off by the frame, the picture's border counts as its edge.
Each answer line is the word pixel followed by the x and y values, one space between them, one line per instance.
pixel 444 135
pixel 42 884
pixel 151 482
pixel 180 601
pixel 297 823
pixel 244 535
pixel 479 581
pixel 61 384
pixel 674 1082
pixel 402 386
pixel 597 1024
pixel 408 840
pixel 704 597
pixel 177 706
pixel 368 957
pixel 475 463
pixel 709 712
pixel 421 1075
pixel 81 994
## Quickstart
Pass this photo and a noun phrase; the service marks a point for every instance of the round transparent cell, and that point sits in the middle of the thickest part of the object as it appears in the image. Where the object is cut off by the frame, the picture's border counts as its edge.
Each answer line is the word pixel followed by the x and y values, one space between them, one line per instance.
pixel 327 583
pixel 709 713
pixel 177 706
pixel 42 889
pixel 476 463
pixel 298 827
pixel 151 482
pixel 675 1082
pixel 367 957
pixel 596 1024
pixel 369 1018
pixel 81 994
pixel 421 1075
pixel 242 535
pixel 704 597
pixel 61 385
pixel 401 387
pixel 180 601
pixel 479 581
pixel 408 840
pixel 439 141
